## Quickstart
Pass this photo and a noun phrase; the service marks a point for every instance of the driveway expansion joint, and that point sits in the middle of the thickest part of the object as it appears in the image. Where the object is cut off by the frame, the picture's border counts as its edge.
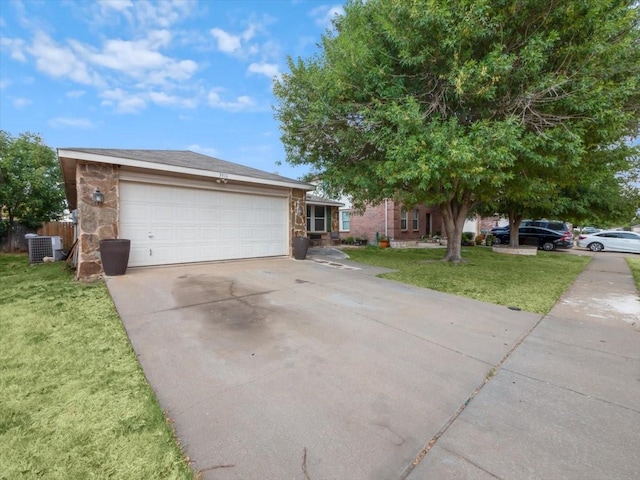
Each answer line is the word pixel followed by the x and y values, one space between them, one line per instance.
pixel 492 373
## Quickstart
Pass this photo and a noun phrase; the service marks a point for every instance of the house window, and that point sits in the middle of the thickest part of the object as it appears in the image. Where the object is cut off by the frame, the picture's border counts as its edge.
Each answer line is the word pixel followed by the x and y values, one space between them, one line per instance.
pixel 316 218
pixel 414 220
pixel 403 219
pixel 345 221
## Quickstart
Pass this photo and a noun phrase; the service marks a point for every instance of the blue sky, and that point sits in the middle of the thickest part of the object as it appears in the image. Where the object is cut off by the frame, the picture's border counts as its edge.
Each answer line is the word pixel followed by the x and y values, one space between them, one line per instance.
pixel 193 75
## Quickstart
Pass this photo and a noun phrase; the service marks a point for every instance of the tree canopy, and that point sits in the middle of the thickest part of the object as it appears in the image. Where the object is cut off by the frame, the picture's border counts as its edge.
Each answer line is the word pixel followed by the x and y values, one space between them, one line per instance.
pixel 30 180
pixel 460 102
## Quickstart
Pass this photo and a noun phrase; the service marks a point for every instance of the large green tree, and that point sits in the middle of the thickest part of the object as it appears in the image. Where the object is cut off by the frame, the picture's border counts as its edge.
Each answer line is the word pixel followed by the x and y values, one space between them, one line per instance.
pixel 30 181
pixel 453 102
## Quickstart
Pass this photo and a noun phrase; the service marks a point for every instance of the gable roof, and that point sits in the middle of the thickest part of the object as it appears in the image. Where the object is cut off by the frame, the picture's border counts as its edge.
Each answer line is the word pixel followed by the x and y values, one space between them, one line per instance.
pixel 170 161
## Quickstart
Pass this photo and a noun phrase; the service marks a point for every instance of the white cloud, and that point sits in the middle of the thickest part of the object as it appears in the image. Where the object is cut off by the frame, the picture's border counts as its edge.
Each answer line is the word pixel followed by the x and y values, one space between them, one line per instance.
pixel 243 102
pixel 117 5
pixel 268 69
pixel 161 98
pixel 59 61
pixel 138 58
pixel 124 102
pixel 143 13
pixel 61 122
pixel 4 83
pixel 15 46
pixel 226 42
pixel 324 14
pixel 239 44
pixel 21 102
pixel 212 152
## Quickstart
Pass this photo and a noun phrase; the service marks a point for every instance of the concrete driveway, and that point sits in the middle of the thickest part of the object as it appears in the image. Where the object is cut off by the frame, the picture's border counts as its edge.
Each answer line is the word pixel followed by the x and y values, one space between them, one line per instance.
pixel 284 369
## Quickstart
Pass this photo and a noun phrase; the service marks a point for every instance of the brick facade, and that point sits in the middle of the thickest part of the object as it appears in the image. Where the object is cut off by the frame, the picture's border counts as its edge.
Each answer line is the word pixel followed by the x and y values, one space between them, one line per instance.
pixel 384 219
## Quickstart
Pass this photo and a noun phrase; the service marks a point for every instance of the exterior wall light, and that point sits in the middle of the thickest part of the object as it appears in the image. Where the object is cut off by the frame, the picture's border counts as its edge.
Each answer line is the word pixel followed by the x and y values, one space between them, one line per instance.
pixel 98 197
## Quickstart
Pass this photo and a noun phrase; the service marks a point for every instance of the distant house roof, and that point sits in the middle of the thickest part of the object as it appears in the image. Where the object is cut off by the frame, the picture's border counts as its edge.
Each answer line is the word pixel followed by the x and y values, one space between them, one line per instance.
pixel 316 200
pixel 172 161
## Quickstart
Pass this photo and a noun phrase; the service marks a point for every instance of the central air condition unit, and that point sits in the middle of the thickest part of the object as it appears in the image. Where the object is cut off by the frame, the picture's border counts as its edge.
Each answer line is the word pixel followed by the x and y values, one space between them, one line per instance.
pixel 40 247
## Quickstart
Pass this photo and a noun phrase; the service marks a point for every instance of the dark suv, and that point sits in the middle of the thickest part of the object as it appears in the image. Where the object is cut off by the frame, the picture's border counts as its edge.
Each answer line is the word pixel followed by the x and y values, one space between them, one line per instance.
pixel 556 225
pixel 543 238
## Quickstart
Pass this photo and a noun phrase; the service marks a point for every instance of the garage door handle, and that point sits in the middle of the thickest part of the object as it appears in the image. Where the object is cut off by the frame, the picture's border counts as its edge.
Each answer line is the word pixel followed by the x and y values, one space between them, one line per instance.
pixel 150 235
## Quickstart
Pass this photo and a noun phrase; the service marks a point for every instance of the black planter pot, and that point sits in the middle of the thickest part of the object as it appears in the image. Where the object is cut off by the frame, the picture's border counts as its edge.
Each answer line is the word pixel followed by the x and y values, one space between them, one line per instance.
pixel 115 255
pixel 300 247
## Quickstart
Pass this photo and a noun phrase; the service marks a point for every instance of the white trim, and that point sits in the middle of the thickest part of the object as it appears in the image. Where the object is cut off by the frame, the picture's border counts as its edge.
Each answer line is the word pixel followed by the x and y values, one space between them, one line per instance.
pixel 127 162
pixel 129 176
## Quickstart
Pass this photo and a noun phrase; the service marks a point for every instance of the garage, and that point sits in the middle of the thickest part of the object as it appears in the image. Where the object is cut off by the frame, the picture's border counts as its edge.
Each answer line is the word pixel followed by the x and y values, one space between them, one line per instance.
pixel 177 206
pixel 176 224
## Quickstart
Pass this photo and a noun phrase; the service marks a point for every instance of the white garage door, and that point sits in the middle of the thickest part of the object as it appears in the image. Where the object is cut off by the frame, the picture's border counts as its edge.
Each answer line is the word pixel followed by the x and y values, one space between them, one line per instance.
pixel 168 224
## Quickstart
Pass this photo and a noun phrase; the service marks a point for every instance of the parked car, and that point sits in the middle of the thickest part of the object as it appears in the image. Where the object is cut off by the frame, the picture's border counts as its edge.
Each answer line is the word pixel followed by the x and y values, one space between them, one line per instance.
pixel 589 230
pixel 543 238
pixel 612 240
pixel 557 225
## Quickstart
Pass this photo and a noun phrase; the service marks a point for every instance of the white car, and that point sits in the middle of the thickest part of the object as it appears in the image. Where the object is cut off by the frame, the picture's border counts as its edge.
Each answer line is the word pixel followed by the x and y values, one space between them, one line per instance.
pixel 612 240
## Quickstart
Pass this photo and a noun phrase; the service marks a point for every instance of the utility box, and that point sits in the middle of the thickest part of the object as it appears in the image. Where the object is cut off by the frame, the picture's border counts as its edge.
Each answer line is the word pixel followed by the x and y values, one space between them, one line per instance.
pixel 40 247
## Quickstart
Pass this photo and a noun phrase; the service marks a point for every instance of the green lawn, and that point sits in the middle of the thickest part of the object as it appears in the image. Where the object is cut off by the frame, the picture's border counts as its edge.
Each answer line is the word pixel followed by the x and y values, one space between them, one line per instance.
pixel 634 265
pixel 532 283
pixel 74 403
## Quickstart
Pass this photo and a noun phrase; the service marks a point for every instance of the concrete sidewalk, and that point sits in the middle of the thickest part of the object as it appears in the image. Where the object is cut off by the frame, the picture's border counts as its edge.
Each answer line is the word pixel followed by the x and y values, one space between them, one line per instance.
pixel 566 403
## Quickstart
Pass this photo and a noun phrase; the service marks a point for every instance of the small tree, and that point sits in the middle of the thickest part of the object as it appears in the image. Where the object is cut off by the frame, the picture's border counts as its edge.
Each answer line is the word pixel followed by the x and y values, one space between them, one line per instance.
pixel 30 181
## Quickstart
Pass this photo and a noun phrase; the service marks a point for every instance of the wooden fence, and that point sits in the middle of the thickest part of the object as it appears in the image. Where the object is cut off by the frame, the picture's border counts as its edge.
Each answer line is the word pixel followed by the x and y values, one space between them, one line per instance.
pixel 16 242
pixel 65 230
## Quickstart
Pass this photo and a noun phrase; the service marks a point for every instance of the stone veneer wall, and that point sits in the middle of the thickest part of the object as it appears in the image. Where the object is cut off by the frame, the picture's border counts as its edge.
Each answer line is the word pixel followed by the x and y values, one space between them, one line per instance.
pixel 335 219
pixel 96 222
pixel 297 215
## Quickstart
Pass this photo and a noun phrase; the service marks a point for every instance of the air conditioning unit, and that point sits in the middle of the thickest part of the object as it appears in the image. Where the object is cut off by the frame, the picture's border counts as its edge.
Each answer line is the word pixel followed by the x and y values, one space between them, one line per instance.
pixel 40 247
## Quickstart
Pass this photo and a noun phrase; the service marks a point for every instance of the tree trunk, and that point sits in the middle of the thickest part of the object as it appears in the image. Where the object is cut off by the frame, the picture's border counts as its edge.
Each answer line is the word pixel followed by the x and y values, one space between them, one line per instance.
pixel 514 229
pixel 454 213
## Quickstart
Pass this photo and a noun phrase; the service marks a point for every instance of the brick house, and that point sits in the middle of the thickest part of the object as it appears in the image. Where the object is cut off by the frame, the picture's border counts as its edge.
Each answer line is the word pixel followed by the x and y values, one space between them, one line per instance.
pixel 398 223
pixel 393 220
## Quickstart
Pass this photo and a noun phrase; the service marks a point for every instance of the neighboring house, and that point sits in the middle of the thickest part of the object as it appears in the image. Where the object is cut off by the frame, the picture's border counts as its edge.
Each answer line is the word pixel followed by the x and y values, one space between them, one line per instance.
pixel 322 218
pixel 179 207
pixel 393 220
pixel 399 223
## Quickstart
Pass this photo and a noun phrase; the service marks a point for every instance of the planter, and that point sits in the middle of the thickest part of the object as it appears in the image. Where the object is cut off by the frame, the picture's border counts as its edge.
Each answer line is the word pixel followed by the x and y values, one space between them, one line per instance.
pixel 383 243
pixel 521 250
pixel 115 255
pixel 300 247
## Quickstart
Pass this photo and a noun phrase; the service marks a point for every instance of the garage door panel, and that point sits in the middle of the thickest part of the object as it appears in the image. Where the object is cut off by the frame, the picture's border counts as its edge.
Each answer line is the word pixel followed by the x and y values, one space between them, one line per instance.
pixel 191 225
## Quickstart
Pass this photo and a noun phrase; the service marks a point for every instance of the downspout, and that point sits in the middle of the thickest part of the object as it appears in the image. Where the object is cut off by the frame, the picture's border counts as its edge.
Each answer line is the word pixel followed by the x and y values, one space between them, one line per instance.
pixel 386 225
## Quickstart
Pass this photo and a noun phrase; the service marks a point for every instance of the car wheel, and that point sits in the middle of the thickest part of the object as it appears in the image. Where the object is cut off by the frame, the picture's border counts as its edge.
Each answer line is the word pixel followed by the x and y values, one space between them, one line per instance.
pixel 548 246
pixel 596 247
pixel 497 241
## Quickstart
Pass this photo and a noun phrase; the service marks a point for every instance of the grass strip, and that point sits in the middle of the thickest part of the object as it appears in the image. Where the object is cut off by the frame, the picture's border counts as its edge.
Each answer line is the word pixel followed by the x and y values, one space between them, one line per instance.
pixel 531 283
pixel 634 265
pixel 74 402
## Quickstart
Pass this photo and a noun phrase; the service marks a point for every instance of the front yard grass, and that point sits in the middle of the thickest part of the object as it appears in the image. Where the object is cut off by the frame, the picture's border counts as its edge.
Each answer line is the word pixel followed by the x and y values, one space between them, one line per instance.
pixel 634 265
pixel 74 403
pixel 531 283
